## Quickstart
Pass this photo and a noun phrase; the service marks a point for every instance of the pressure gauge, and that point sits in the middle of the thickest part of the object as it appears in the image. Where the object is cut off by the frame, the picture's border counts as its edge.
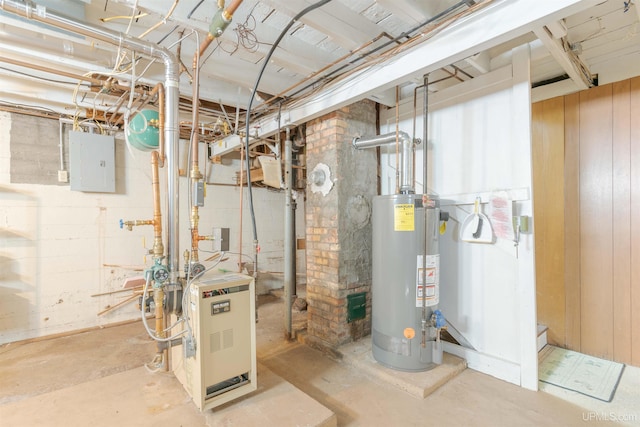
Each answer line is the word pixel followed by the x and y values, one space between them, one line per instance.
pixel 196 269
pixel 160 274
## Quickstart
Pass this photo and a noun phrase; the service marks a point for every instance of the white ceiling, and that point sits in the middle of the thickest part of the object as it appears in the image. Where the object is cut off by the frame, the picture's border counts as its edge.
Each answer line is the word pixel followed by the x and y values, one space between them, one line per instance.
pixel 331 42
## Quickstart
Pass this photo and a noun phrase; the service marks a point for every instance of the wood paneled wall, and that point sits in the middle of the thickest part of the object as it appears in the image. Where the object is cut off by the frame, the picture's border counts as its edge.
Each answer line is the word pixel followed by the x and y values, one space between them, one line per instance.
pixel 588 272
pixel 548 185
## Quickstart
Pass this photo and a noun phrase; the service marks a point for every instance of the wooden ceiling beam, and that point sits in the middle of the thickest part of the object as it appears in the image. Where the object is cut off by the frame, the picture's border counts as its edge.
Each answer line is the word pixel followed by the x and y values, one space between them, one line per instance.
pixel 569 61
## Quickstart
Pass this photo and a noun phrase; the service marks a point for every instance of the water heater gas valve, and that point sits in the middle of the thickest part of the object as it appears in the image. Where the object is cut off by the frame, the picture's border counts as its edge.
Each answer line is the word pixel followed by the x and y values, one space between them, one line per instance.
pixel 438 320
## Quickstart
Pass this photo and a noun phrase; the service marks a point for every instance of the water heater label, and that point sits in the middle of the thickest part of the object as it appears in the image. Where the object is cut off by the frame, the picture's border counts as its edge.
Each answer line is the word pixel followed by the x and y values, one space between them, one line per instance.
pixel 403 217
pixel 428 281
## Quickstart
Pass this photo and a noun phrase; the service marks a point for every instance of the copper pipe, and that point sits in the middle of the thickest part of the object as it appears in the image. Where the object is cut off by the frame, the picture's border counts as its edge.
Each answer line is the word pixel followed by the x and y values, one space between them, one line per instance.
pixel 135 223
pixel 34 113
pixel 141 103
pixel 159 89
pixel 205 44
pixel 158 299
pixel 195 152
pixel 158 248
pixel 326 67
pixel 194 233
pixel 52 71
pixel 227 15
pixel 231 9
pixel 93 80
pixel 183 68
pixel 241 203
pixel 117 108
pixel 195 174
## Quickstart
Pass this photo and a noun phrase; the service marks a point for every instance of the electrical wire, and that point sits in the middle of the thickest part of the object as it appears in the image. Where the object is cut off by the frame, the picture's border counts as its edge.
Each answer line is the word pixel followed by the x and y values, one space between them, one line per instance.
pixel 194 9
pixel 357 73
pixel 6 105
pixel 247 37
pixel 152 333
pixel 113 18
pixel 247 127
pixel 186 299
pixel 167 35
pixel 162 21
pixel 432 19
pixel 89 85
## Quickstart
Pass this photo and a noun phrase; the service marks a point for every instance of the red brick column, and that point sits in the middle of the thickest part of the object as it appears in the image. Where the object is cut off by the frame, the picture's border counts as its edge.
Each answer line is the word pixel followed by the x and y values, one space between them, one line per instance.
pixel 339 224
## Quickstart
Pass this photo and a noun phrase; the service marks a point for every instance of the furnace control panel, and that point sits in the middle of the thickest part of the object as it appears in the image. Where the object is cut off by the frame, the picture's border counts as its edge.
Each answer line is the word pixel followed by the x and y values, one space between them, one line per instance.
pixel 220 307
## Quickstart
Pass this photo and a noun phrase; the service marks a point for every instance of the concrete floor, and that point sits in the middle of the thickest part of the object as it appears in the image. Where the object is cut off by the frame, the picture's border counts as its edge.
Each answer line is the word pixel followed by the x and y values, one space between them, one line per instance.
pixel 98 378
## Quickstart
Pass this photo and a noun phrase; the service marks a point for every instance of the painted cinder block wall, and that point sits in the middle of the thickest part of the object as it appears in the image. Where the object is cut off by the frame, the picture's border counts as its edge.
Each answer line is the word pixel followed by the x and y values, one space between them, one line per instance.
pixel 59 247
pixel 338 224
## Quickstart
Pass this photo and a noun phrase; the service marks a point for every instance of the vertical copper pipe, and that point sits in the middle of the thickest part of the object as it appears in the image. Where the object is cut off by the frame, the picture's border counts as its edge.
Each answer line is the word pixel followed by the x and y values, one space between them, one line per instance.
pixel 195 237
pixel 158 299
pixel 159 89
pixel 195 153
pixel 241 203
pixel 158 248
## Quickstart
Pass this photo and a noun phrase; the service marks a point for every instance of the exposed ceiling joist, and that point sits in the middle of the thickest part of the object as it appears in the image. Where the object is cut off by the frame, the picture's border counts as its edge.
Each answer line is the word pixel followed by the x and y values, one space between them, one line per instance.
pixel 352 30
pixel 405 9
pixel 481 61
pixel 569 61
pixel 488 27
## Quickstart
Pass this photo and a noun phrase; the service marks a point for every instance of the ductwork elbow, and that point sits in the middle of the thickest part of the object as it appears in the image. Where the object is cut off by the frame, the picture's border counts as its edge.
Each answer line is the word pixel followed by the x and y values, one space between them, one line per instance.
pixel 407 153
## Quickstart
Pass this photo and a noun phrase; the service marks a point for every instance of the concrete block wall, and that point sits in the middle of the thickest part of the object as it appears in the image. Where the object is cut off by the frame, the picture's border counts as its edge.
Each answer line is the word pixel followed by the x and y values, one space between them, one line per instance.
pixel 339 224
pixel 59 247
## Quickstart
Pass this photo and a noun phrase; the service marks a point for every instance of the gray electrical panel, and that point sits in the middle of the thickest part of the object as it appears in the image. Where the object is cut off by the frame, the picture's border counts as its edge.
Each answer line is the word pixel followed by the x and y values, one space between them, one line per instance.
pixel 92 162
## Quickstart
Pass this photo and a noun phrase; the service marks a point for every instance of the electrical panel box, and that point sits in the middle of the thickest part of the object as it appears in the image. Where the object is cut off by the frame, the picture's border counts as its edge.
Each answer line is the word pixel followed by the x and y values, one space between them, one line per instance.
pixel 92 162
pixel 222 316
pixel 220 239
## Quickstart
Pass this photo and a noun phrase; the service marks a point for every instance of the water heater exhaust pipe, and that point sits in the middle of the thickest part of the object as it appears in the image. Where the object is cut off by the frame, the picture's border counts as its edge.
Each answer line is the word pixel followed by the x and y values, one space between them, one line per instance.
pixel 407 154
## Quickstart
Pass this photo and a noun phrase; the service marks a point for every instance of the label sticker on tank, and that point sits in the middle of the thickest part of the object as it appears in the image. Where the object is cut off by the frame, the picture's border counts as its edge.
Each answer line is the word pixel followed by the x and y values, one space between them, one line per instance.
pixel 403 217
pixel 428 281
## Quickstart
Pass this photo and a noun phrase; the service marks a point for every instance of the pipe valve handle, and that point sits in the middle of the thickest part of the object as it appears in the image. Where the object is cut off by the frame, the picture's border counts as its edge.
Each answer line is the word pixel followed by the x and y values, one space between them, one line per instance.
pixel 121 224
pixel 439 318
